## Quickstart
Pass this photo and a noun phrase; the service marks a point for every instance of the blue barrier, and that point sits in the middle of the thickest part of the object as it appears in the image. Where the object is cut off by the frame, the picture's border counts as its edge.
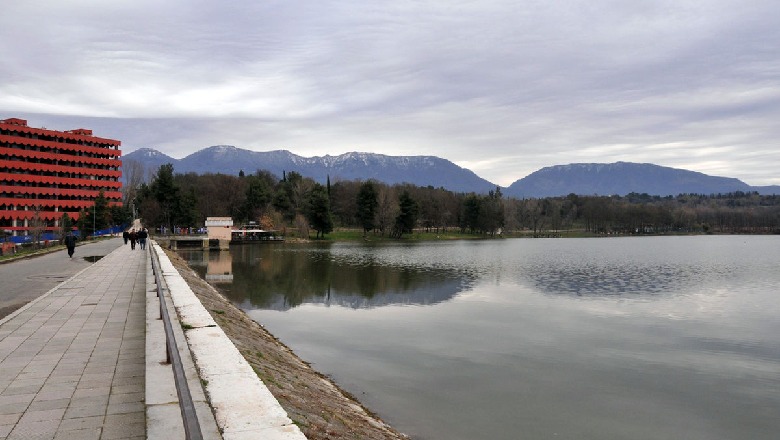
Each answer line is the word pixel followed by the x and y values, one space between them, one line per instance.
pixel 51 236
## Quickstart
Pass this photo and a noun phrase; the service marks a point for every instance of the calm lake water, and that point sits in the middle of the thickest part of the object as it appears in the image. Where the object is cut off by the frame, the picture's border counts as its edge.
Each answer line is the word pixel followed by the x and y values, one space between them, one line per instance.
pixel 614 338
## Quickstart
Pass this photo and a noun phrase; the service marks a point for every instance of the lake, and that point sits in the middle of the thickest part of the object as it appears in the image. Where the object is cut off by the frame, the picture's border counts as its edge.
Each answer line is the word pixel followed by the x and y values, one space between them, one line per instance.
pixel 606 338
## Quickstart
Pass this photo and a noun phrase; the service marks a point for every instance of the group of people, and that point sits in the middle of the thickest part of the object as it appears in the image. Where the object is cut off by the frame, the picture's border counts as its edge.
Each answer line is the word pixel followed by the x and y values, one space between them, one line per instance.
pixel 134 236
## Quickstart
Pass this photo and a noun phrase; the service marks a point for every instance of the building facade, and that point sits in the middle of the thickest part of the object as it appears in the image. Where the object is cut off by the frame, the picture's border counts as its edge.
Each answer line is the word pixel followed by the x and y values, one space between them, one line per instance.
pixel 46 173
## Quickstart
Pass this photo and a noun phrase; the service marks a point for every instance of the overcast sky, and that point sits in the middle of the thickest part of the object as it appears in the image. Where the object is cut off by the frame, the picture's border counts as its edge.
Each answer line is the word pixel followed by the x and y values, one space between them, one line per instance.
pixel 500 87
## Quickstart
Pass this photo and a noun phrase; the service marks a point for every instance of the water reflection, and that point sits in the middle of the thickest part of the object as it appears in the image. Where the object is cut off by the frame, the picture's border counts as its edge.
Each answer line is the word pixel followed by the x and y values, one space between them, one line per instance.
pixel 280 277
pixel 219 268
pixel 597 268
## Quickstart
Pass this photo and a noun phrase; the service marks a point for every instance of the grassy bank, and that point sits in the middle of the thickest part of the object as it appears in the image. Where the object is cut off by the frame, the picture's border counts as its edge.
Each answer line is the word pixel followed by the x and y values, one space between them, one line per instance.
pixel 344 234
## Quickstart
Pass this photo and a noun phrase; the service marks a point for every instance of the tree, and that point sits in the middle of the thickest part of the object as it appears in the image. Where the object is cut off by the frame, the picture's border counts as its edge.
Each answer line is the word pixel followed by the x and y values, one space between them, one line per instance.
pixel 407 215
pixel 96 217
pixel 387 209
pixel 166 193
pixel 318 210
pixel 491 213
pixel 185 208
pixel 37 225
pixel 120 215
pixel 133 172
pixel 258 196
pixel 367 204
pixel 471 208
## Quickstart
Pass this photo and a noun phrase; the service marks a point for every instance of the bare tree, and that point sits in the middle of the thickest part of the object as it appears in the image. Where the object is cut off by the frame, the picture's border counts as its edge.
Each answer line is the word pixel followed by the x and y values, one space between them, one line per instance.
pixel 387 209
pixel 37 226
pixel 302 225
pixel 133 172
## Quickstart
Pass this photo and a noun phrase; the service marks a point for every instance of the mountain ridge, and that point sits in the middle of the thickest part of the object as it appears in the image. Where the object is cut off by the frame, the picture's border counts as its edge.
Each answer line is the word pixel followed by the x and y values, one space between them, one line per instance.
pixel 617 178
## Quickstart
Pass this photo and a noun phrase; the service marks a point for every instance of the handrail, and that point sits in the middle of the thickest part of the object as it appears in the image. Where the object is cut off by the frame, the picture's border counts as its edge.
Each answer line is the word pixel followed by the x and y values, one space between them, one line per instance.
pixel 189 417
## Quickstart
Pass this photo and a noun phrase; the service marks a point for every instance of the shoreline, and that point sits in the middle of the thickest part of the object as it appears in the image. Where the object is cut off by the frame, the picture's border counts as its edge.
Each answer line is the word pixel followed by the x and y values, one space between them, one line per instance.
pixel 313 401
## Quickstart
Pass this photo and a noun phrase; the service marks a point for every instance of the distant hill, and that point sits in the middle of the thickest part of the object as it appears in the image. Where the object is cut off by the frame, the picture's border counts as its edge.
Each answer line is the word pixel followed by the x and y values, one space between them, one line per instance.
pixel 150 158
pixel 418 170
pixel 622 178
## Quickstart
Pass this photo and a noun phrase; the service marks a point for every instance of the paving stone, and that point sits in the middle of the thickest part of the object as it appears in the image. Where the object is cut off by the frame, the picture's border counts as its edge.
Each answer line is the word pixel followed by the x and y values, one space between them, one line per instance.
pixel 37 405
pixel 41 415
pixel 125 408
pixel 80 434
pixel 16 398
pixel 91 392
pixel 13 389
pixel 10 419
pixel 53 395
pixel 125 398
pixel 5 430
pixel 98 400
pixel 85 411
pixel 81 423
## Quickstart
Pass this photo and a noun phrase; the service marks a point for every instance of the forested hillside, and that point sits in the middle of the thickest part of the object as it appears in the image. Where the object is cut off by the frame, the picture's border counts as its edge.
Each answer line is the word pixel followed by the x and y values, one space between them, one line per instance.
pixel 299 203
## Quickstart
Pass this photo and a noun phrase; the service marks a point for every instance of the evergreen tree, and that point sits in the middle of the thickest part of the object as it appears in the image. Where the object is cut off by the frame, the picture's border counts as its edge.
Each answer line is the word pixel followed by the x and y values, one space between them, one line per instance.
pixel 367 205
pixel 258 195
pixel 66 224
pixel 102 212
pixel 318 212
pixel 470 218
pixel 407 215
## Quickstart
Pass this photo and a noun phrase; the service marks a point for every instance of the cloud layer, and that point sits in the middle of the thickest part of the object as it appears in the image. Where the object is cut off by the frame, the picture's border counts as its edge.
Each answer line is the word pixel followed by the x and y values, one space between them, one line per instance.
pixel 500 87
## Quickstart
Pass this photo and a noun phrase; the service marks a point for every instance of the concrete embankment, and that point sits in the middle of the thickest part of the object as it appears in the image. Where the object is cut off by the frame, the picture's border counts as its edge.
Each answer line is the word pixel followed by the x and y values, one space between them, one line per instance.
pixel 310 400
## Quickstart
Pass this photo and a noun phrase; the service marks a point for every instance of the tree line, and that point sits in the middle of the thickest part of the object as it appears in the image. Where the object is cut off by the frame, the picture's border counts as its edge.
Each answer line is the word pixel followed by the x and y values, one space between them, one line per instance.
pixel 293 201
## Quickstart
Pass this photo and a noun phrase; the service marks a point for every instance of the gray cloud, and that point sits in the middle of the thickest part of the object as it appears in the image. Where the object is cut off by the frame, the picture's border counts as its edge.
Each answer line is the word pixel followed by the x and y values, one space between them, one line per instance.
pixel 500 87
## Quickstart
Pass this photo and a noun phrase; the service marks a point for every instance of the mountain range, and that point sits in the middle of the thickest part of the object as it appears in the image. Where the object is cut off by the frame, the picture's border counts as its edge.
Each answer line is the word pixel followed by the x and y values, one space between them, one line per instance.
pixel 418 170
pixel 618 178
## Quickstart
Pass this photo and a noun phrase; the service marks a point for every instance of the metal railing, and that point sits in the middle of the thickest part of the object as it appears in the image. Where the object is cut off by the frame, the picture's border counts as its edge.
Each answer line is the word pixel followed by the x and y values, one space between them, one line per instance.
pixel 189 417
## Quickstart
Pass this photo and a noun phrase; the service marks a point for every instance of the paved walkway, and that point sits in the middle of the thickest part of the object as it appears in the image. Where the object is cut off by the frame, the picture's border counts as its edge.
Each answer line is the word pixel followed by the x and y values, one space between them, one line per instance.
pixel 72 362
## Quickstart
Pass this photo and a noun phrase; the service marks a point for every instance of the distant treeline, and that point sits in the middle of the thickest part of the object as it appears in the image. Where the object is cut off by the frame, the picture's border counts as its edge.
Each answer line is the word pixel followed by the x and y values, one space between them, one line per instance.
pixel 185 200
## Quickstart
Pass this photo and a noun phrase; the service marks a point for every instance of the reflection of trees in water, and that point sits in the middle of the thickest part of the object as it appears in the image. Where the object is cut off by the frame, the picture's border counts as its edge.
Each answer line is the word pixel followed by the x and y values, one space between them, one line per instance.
pixel 276 277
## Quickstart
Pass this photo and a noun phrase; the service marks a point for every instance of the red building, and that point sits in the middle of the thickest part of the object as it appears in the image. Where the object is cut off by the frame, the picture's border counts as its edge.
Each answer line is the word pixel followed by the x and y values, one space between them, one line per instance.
pixel 46 173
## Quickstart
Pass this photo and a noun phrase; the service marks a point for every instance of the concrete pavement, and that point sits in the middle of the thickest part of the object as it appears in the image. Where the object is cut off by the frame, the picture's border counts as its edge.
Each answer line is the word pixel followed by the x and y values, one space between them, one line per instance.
pixel 72 360
pixel 23 280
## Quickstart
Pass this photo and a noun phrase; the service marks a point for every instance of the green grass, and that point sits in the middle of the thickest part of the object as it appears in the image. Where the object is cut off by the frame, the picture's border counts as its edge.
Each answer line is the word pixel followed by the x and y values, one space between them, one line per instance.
pixel 341 234
pixel 27 251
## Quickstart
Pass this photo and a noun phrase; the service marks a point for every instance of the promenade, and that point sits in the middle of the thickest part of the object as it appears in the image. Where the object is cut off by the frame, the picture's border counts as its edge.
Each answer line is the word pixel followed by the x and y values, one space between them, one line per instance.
pixel 72 361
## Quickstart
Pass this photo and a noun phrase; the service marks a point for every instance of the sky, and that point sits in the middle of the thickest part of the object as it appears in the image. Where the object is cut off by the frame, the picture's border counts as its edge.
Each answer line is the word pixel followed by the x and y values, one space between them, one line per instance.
pixel 502 88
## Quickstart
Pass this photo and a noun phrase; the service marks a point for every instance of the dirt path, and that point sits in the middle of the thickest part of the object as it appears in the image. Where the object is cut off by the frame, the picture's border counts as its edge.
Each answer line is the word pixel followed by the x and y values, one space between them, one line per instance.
pixel 312 401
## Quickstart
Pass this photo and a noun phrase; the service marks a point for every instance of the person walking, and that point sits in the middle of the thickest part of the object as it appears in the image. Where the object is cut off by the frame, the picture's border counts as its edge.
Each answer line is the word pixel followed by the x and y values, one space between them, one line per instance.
pixel 126 236
pixel 142 236
pixel 133 237
pixel 70 243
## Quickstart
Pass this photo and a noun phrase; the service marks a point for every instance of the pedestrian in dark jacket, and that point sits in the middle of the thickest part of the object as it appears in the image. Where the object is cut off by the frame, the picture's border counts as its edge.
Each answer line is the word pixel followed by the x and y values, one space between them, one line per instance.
pixel 126 236
pixel 142 236
pixel 133 237
pixel 70 243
